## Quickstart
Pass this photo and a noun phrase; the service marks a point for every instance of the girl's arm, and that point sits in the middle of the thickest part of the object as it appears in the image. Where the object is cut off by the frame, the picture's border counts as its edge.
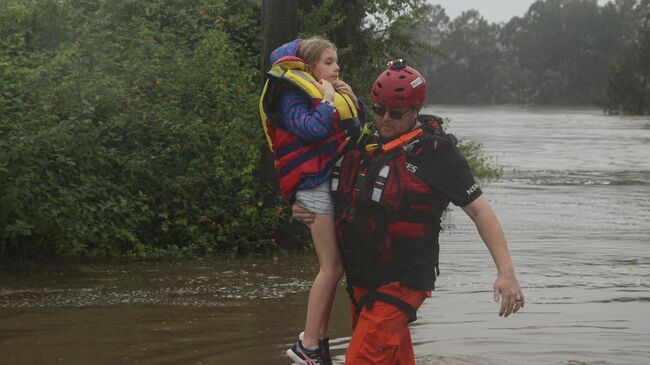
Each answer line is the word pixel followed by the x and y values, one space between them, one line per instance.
pixel 310 123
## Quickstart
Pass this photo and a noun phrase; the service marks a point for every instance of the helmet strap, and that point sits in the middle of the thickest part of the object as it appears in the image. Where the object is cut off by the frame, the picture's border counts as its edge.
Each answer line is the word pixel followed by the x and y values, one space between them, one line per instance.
pixel 415 121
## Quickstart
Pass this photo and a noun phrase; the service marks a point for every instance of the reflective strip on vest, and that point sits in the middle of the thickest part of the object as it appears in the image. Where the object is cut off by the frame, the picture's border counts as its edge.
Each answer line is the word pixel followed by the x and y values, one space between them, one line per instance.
pixel 380 183
pixel 336 174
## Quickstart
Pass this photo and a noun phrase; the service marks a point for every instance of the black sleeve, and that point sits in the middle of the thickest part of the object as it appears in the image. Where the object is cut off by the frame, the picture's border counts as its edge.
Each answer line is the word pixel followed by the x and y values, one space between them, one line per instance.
pixel 444 168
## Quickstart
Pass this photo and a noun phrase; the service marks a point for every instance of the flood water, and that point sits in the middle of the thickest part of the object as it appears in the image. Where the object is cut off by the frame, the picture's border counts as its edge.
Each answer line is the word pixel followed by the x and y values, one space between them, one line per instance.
pixel 574 202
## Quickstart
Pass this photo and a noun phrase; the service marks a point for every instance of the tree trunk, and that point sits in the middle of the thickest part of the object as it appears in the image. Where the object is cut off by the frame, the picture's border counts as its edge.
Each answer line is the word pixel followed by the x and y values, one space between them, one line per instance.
pixel 279 26
pixel 640 110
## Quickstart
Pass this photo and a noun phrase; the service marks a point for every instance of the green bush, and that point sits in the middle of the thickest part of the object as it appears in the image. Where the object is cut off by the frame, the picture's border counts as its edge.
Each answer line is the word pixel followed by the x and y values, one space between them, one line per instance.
pixel 482 166
pixel 129 129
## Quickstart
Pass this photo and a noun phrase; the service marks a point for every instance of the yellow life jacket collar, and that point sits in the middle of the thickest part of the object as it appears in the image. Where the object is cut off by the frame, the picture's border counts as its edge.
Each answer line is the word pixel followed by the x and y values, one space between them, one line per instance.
pixel 292 69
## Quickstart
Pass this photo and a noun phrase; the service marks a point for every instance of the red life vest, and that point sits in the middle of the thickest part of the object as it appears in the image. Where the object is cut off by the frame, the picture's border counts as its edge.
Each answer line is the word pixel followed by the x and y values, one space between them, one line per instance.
pixel 294 157
pixel 388 218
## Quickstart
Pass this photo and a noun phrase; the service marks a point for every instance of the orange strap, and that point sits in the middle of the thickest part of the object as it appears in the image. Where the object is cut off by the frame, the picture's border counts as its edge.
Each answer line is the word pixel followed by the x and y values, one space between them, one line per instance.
pixel 402 140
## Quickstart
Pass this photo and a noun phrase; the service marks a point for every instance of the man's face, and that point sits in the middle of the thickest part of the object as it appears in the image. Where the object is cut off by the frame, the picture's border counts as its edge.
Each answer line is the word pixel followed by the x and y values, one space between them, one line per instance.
pixel 393 122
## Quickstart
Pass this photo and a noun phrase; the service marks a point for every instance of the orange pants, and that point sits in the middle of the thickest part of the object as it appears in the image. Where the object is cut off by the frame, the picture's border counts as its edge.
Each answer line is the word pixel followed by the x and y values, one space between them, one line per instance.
pixel 381 335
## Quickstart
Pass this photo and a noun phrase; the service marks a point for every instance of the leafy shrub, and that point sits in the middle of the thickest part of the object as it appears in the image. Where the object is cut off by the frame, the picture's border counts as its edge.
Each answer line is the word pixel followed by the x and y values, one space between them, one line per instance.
pixel 482 166
pixel 128 128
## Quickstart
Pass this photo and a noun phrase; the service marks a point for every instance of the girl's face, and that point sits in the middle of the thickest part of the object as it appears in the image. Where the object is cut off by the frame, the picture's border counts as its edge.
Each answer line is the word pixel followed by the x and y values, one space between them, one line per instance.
pixel 327 68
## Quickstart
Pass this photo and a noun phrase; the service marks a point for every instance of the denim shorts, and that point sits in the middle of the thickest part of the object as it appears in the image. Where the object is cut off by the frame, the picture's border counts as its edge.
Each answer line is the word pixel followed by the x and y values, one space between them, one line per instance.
pixel 317 200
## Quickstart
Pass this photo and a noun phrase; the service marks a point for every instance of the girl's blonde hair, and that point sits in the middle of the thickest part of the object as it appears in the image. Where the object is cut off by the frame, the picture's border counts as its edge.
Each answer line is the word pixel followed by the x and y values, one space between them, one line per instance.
pixel 312 49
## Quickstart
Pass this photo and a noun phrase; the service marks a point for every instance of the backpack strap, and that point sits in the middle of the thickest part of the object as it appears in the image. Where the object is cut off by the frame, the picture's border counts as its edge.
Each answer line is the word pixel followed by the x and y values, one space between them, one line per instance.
pixel 368 300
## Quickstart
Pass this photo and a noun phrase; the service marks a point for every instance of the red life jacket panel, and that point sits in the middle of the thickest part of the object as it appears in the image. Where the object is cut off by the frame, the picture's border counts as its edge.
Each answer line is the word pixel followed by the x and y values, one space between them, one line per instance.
pixel 388 218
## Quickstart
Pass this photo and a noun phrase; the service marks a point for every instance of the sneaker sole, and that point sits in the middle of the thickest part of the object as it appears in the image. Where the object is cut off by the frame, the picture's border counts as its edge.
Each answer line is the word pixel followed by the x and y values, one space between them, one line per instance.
pixel 293 356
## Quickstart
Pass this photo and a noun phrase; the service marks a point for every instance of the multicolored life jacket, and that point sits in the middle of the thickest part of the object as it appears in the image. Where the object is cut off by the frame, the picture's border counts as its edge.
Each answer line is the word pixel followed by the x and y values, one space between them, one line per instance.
pixel 294 157
pixel 388 218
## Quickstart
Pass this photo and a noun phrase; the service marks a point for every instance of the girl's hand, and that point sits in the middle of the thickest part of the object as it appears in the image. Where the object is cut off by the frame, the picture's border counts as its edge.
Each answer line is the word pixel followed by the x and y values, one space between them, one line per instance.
pixel 326 88
pixel 341 86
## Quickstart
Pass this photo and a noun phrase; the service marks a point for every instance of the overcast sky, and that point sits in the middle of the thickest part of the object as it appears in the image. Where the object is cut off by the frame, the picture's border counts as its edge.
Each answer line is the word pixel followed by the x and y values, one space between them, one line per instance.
pixel 492 10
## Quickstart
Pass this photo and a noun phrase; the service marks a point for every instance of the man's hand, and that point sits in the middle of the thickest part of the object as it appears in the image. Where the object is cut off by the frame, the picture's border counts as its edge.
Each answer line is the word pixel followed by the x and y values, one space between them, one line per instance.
pixel 506 289
pixel 302 215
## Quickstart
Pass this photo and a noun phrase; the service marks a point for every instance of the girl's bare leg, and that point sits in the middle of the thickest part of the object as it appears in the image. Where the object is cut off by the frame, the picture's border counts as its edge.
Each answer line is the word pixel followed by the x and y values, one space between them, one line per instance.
pixel 321 296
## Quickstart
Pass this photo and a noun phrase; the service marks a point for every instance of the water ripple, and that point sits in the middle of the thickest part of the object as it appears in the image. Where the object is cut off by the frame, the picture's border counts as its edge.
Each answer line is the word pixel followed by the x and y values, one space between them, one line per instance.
pixel 575 177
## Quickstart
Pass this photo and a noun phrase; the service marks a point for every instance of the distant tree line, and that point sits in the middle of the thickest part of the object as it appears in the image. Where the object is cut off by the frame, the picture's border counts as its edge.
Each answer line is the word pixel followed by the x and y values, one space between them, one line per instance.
pixel 558 52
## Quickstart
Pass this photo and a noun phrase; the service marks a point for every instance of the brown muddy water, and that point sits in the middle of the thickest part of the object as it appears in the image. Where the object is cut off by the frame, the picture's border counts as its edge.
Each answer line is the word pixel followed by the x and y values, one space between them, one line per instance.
pixel 575 204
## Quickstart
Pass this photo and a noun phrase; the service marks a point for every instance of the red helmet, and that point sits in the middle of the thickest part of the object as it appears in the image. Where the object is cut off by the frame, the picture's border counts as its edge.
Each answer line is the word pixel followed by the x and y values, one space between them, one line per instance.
pixel 400 85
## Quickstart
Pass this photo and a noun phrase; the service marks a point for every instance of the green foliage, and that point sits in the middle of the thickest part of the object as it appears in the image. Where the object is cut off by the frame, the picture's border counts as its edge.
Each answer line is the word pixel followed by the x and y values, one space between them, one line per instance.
pixel 470 53
pixel 127 129
pixel 560 43
pixel 482 166
pixel 558 52
pixel 367 33
pixel 628 84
